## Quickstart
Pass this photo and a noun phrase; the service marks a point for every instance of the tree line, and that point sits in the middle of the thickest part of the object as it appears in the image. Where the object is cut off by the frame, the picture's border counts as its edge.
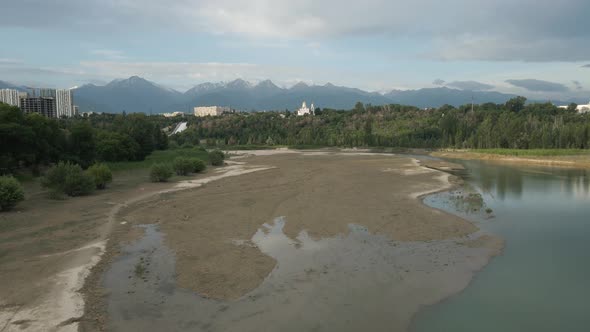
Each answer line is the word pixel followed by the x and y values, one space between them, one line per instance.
pixel 31 140
pixel 515 125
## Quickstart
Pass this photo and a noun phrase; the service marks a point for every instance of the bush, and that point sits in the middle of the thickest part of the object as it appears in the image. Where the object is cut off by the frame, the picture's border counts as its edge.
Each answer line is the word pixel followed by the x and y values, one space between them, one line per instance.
pixel 197 165
pixel 182 166
pixel 172 145
pixel 216 157
pixel 69 179
pixel 101 174
pixel 160 172
pixel 11 192
pixel 187 146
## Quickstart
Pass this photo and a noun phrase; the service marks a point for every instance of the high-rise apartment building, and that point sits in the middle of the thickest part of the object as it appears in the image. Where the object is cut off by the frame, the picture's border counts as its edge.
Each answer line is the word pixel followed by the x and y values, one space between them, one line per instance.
pixel 41 105
pixel 64 103
pixel 10 97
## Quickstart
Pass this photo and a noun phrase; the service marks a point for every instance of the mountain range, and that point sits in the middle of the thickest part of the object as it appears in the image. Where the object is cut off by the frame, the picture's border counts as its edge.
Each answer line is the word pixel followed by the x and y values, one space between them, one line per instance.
pixel 136 94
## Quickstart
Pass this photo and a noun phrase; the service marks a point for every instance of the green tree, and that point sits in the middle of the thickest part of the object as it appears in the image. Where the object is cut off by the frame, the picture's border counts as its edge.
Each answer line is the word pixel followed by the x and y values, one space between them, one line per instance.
pixel 197 165
pixel 11 192
pixel 516 104
pixel 216 157
pixel 101 174
pixel 70 179
pixel 182 166
pixel 82 144
pixel 160 172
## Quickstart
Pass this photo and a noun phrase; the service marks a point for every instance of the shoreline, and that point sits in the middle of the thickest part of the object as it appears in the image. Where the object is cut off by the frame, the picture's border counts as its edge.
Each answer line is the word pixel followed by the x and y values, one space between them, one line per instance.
pixel 414 169
pixel 573 161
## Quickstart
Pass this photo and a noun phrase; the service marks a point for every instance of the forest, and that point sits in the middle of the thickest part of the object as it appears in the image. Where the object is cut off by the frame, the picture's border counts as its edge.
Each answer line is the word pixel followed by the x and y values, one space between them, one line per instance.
pixel 30 140
pixel 514 125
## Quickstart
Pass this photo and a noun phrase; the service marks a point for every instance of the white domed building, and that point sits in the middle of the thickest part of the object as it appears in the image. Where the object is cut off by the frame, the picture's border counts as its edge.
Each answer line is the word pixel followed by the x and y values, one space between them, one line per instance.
pixel 305 110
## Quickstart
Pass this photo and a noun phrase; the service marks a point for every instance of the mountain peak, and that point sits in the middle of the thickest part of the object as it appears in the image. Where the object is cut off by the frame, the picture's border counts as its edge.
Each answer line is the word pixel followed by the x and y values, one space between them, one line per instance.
pixel 266 84
pixel 128 82
pixel 239 84
pixel 300 85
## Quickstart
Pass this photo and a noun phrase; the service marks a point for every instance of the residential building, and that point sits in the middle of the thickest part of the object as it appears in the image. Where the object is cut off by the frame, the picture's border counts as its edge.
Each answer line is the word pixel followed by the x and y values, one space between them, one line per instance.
pixel 580 108
pixel 64 103
pixel 46 93
pixel 41 105
pixel 173 114
pixel 304 110
pixel 10 97
pixel 211 110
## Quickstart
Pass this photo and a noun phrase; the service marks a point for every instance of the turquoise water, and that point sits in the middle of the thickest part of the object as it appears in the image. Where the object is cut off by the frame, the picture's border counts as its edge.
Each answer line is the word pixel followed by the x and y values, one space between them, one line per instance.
pixel 542 281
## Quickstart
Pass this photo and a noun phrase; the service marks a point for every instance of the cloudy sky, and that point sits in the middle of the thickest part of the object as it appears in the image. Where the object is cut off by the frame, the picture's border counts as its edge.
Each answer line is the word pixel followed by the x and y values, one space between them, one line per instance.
pixel 538 48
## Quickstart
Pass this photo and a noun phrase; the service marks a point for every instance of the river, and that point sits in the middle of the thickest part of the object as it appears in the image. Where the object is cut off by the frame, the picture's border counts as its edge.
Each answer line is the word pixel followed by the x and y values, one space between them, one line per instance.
pixel 541 282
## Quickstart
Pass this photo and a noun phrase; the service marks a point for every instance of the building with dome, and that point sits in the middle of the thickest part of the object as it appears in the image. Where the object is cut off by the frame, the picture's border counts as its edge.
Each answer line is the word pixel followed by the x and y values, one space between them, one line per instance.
pixel 305 110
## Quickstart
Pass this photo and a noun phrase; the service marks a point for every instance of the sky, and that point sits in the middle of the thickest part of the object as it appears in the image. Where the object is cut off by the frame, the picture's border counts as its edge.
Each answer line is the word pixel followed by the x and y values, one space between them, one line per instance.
pixel 535 48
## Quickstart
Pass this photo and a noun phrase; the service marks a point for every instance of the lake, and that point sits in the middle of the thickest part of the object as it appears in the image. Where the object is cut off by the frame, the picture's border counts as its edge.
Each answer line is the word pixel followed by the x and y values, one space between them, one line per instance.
pixel 541 282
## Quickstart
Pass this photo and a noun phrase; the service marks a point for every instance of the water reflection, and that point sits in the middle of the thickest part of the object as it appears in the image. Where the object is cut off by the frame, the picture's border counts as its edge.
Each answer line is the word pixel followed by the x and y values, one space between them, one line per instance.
pixel 540 282
pixel 504 182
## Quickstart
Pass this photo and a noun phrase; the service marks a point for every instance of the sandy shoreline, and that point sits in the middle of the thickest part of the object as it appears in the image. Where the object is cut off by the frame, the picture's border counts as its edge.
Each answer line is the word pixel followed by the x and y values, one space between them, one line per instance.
pixel 321 193
pixel 580 161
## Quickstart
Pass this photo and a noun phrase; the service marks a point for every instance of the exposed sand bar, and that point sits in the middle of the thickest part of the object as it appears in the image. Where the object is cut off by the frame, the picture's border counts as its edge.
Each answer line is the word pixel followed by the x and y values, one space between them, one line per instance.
pixel 211 234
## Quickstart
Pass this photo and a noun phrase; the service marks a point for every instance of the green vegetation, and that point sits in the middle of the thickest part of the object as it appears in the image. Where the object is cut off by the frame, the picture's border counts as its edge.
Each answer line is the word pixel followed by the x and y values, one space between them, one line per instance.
pixel 102 175
pixel 11 192
pixel 160 172
pixel 182 166
pixel 70 179
pixel 216 157
pixel 31 140
pixel 534 152
pixel 514 125
pixel 163 156
pixel 197 165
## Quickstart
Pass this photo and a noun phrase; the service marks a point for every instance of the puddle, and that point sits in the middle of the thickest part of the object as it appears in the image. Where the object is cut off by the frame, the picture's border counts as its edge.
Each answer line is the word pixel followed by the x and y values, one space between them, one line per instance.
pixel 358 281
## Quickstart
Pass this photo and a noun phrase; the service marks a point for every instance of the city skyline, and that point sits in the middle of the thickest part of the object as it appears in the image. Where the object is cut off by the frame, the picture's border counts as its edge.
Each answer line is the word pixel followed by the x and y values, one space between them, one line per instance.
pixel 534 48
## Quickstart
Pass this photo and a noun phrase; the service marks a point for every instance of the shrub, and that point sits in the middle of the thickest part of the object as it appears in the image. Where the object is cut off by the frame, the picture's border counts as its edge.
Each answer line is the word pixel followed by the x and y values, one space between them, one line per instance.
pixel 197 165
pixel 216 157
pixel 160 172
pixel 187 146
pixel 69 179
pixel 182 166
pixel 101 174
pixel 172 145
pixel 11 192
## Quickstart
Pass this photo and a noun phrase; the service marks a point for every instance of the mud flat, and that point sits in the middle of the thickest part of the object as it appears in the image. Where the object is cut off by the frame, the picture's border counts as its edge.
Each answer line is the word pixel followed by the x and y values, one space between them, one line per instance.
pixel 309 241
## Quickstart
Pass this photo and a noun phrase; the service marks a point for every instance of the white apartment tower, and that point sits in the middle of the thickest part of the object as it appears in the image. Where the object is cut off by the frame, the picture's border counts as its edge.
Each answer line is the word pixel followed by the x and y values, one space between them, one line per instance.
pixel 10 97
pixel 64 103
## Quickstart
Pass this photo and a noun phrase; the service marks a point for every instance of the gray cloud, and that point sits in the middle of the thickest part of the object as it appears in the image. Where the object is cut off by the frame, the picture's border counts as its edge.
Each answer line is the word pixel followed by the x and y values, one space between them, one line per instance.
pixel 502 30
pixel 438 81
pixel 538 85
pixel 586 66
pixel 470 85
pixel 578 85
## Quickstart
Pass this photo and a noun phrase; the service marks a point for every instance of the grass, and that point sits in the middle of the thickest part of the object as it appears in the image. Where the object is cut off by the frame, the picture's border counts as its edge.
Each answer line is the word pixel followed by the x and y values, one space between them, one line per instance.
pixel 306 146
pixel 533 152
pixel 163 156
pixel 248 147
